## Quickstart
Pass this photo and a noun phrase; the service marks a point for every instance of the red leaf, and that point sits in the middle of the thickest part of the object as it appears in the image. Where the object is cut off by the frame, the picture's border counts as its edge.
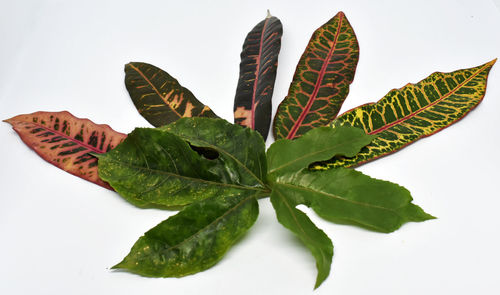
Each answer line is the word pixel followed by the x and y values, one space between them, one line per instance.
pixel 65 141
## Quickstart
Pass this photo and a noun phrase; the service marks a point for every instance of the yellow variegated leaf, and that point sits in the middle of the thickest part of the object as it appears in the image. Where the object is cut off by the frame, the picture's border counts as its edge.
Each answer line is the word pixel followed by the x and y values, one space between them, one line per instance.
pixel 414 111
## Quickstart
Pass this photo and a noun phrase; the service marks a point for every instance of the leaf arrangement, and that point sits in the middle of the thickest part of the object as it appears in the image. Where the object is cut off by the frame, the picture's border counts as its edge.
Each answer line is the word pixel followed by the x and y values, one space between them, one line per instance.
pixel 215 171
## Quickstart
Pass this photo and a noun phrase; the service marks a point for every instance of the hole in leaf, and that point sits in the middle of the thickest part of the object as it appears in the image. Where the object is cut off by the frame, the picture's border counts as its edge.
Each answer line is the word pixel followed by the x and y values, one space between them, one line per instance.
pixel 208 153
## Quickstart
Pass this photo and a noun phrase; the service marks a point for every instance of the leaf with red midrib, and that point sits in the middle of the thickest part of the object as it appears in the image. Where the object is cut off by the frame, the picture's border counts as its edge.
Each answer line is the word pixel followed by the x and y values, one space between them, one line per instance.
pixel 259 62
pixel 321 81
pixel 65 141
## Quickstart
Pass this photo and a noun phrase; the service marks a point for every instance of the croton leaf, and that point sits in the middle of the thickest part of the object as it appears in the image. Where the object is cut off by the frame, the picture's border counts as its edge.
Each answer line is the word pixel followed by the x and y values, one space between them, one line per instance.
pixel 319 144
pixel 156 168
pixel 314 238
pixel 259 61
pixel 417 110
pixel 158 97
pixel 65 141
pixel 347 196
pixel 194 239
pixel 321 81
pixel 239 151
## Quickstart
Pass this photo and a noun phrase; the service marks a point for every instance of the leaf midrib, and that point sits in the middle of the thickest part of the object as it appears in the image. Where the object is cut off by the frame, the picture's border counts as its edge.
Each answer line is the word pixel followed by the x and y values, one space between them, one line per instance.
pixel 186 177
pixel 321 75
pixel 411 115
pixel 155 89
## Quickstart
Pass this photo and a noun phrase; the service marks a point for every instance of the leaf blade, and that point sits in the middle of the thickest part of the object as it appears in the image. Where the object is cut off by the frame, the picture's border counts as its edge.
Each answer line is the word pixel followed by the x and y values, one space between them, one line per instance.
pixel 315 239
pixel 193 240
pixel 240 149
pixel 415 111
pixel 159 97
pixel 347 196
pixel 259 62
pixel 65 141
pixel 319 144
pixel 157 168
pixel 321 80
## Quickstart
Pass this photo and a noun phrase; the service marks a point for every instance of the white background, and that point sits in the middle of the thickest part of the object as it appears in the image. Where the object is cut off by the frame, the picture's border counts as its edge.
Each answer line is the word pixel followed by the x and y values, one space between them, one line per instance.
pixel 60 234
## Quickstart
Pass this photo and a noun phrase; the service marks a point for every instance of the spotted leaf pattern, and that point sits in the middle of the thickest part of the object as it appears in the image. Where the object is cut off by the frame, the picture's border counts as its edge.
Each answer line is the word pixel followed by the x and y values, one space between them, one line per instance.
pixel 65 141
pixel 321 81
pixel 259 61
pixel 412 112
pixel 159 97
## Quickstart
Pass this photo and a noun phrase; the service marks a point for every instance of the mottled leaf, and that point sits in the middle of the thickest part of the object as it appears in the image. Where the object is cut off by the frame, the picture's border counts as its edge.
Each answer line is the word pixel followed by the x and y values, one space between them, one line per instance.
pixel 347 196
pixel 154 167
pixel 259 61
pixel 240 151
pixel 415 111
pixel 320 144
pixel 65 141
pixel 321 81
pixel 314 238
pixel 193 240
pixel 158 97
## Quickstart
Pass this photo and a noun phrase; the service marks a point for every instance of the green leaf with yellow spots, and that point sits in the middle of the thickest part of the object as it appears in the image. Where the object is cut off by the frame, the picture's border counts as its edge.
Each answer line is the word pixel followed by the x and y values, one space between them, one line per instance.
pixel 194 239
pixel 184 162
pixel 412 112
pixel 159 98
pixel 321 81
pixel 66 141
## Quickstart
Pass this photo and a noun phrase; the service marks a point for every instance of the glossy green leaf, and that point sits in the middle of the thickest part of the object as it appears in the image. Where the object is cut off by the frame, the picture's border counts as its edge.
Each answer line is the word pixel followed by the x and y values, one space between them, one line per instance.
pixel 154 167
pixel 314 238
pixel 194 239
pixel 259 62
pixel 320 144
pixel 66 141
pixel 347 196
pixel 321 81
pixel 241 151
pixel 414 111
pixel 159 97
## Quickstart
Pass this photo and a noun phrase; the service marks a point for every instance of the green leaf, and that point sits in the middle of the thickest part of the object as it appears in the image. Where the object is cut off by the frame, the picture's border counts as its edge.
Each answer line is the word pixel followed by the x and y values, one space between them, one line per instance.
pixel 314 238
pixel 193 240
pixel 318 144
pixel 241 151
pixel 347 196
pixel 413 112
pixel 259 61
pixel 155 168
pixel 159 98
pixel 321 81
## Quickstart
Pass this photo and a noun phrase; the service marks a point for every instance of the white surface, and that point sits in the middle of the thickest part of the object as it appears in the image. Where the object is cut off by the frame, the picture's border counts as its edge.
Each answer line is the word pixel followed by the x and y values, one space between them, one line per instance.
pixel 60 234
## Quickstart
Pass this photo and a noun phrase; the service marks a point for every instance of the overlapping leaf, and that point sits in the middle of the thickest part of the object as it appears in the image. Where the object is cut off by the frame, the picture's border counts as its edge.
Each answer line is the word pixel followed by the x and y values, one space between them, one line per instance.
pixel 166 167
pixel 259 61
pixel 320 144
pixel 159 98
pixel 194 239
pixel 314 238
pixel 414 111
pixel 65 141
pixel 240 152
pixel 321 81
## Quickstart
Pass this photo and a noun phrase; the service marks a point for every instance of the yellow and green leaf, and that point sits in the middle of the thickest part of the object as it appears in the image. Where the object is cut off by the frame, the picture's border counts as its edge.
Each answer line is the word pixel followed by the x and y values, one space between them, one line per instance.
pixel 66 141
pixel 321 81
pixel 159 97
pixel 412 112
